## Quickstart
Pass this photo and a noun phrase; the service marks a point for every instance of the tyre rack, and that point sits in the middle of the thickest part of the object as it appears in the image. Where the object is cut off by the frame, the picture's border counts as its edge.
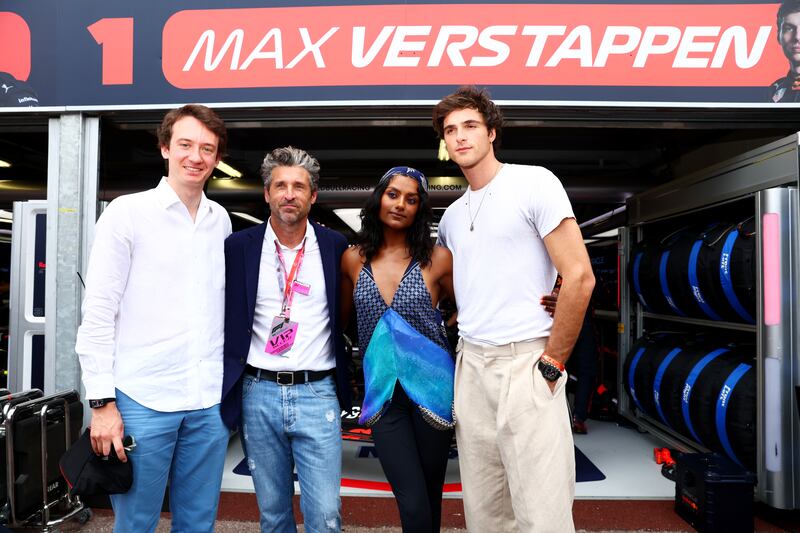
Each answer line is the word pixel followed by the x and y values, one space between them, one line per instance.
pixel 768 178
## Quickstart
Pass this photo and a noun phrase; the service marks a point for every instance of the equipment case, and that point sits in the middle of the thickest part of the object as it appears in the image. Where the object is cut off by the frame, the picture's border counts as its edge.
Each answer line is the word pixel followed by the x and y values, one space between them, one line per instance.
pixel 714 494
pixel 37 432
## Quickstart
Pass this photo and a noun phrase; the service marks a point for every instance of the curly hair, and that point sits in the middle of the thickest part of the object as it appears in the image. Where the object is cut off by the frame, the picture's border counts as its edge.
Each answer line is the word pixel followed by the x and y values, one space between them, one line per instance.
pixel 469 97
pixel 418 235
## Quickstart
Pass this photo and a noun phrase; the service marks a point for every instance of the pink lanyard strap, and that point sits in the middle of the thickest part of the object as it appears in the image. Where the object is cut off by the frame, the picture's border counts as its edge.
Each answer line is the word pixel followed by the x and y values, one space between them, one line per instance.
pixel 290 277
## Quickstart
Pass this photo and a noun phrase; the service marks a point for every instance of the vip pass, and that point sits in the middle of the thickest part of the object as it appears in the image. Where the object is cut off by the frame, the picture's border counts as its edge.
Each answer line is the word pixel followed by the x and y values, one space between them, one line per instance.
pixel 283 331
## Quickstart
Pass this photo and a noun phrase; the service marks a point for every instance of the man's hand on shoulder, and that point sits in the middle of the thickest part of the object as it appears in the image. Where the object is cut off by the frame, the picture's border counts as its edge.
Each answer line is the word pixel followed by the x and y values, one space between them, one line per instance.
pixel 107 429
pixel 549 302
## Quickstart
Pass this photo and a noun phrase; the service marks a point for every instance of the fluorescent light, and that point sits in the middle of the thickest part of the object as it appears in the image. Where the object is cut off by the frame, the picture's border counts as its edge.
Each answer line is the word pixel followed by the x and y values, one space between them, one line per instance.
pixel 229 170
pixel 249 218
pixel 4 164
pixel 610 233
pixel 443 155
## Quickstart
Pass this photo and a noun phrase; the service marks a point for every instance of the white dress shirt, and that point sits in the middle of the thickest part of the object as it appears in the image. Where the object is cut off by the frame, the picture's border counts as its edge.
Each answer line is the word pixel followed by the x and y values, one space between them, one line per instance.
pixel 313 345
pixel 153 310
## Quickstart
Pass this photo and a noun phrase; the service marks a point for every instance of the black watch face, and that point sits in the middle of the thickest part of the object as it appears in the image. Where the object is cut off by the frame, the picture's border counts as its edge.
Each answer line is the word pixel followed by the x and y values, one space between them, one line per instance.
pixel 549 372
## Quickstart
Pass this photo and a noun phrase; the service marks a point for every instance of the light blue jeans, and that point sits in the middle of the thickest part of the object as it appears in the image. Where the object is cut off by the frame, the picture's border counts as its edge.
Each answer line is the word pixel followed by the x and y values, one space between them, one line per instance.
pixel 288 426
pixel 188 447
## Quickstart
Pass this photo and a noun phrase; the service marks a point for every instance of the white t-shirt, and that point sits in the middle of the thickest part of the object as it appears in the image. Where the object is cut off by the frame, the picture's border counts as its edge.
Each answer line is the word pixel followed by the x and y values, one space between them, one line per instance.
pixel 501 269
pixel 313 346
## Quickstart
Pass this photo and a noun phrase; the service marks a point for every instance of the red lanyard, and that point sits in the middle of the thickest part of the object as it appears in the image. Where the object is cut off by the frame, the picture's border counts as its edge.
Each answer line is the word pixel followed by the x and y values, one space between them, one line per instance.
pixel 290 277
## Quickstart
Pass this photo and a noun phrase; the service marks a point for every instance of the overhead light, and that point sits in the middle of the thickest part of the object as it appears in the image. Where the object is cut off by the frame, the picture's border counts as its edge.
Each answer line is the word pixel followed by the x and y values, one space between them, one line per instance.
pixel 249 218
pixel 443 155
pixel 4 164
pixel 229 170
pixel 610 233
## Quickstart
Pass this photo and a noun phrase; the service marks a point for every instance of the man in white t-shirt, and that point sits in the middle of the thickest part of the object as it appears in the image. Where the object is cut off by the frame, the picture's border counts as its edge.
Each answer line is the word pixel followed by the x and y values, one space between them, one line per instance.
pixel 510 234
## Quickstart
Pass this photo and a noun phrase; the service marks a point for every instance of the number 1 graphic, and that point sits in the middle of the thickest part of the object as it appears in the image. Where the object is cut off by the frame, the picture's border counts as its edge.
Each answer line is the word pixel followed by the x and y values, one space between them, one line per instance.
pixel 115 36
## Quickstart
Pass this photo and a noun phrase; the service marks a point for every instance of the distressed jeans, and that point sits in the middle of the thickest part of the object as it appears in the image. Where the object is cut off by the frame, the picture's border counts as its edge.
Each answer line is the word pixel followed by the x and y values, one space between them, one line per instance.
pixel 284 427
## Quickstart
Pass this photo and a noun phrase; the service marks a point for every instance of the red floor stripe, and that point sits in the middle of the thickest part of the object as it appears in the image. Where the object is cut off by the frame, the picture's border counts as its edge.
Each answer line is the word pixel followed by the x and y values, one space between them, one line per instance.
pixel 382 485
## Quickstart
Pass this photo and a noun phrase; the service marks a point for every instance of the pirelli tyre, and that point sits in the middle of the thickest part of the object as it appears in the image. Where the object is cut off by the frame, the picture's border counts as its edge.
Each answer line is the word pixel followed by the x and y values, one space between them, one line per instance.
pixel 647 276
pixel 704 273
pixel 681 274
pixel 726 271
pixel 641 367
pixel 702 390
pixel 723 405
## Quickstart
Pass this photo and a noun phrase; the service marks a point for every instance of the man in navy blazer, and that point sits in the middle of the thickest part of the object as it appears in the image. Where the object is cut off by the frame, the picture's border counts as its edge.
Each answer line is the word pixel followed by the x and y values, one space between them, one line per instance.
pixel 285 361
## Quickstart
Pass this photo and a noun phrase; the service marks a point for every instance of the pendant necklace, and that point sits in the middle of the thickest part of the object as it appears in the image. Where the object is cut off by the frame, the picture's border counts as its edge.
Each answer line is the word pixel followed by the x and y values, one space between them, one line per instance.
pixel 480 204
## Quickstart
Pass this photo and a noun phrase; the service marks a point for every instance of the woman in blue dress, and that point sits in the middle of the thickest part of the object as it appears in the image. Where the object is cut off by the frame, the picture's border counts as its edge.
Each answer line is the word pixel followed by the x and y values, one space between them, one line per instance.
pixel 394 277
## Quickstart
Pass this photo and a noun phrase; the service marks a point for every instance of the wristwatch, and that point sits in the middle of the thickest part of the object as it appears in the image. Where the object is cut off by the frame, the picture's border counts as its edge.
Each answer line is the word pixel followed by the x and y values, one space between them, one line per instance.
pixel 550 368
pixel 94 404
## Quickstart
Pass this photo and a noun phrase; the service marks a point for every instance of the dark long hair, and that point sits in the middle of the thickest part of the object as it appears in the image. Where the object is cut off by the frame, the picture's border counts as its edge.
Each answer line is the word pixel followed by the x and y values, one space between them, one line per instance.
pixel 418 235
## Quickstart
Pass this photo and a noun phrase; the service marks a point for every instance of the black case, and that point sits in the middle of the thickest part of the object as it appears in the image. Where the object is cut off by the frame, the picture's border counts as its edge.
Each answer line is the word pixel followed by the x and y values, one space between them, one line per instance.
pixel 714 494
pixel 7 401
pixel 36 433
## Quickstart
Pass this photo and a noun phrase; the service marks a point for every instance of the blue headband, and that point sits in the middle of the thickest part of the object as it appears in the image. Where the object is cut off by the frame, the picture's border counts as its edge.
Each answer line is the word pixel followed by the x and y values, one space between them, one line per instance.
pixel 412 173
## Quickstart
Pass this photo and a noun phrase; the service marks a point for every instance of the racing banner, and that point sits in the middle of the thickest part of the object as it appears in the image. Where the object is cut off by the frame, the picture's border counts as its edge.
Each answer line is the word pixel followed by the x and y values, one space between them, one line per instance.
pixel 131 54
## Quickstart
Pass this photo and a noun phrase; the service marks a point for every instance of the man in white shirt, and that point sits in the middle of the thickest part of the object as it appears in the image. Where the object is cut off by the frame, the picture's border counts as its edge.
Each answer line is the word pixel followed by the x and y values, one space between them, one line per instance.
pixel 151 341
pixel 285 361
pixel 510 233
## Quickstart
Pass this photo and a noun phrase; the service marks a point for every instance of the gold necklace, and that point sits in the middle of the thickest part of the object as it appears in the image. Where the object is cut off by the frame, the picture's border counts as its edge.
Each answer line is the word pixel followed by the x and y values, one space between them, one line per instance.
pixel 480 204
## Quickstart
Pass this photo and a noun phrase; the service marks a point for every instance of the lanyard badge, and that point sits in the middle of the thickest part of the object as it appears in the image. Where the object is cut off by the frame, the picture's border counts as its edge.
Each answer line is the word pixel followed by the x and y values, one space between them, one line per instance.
pixel 283 332
pixel 281 336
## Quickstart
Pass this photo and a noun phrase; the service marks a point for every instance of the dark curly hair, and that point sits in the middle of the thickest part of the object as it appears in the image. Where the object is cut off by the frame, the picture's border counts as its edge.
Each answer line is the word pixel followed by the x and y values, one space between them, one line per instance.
pixel 469 97
pixel 418 235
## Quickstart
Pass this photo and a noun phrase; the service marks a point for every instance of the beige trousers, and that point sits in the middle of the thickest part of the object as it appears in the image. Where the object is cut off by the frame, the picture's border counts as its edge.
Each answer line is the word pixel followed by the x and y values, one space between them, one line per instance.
pixel 515 447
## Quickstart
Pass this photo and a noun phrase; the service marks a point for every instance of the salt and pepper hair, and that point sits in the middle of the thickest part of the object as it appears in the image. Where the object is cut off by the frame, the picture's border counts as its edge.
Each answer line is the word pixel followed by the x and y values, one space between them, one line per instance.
pixel 289 156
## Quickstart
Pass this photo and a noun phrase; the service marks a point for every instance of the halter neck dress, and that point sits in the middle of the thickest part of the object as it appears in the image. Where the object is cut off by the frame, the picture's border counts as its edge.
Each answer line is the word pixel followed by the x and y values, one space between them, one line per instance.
pixel 403 342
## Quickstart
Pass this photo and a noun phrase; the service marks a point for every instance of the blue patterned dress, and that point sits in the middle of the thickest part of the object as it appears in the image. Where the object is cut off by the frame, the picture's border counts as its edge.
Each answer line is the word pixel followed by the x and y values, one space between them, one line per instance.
pixel 418 357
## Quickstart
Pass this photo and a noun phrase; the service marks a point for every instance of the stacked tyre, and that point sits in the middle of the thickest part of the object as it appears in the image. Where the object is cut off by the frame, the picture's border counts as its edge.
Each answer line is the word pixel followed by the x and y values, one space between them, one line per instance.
pixel 703 390
pixel 703 272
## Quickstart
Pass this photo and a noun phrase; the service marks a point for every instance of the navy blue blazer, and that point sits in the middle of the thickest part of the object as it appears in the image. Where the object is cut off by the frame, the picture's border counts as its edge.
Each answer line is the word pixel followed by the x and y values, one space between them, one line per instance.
pixel 242 263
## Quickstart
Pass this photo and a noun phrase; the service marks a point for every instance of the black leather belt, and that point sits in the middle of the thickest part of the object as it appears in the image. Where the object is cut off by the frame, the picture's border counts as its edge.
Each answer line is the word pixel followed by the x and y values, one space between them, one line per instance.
pixel 297 377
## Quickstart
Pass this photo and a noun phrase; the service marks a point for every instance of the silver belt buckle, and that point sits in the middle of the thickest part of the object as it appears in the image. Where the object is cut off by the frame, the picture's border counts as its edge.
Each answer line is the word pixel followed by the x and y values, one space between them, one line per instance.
pixel 282 375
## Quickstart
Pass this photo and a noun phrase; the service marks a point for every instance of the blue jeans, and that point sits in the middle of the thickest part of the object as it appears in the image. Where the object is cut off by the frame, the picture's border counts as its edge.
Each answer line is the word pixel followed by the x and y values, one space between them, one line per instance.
pixel 288 426
pixel 188 447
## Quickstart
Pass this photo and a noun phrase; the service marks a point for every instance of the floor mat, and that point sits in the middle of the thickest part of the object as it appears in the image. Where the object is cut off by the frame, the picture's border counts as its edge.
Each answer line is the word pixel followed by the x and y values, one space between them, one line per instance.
pixel 585 470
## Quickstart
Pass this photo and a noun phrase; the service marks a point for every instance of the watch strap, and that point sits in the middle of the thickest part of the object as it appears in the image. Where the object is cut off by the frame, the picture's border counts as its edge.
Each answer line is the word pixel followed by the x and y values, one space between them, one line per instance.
pixel 94 404
pixel 549 360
